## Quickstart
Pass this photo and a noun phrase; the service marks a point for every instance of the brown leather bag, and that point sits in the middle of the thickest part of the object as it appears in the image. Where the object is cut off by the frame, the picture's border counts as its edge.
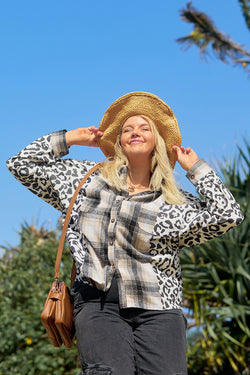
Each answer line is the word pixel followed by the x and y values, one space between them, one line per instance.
pixel 57 315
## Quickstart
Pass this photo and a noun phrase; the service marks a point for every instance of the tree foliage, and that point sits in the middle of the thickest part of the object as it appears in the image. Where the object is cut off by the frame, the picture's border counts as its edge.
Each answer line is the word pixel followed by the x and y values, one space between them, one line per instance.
pixel 217 287
pixel 27 272
pixel 245 7
pixel 205 34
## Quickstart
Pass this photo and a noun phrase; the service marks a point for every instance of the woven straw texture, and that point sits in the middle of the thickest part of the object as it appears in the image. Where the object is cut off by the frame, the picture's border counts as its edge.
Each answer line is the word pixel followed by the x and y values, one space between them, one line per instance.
pixel 139 103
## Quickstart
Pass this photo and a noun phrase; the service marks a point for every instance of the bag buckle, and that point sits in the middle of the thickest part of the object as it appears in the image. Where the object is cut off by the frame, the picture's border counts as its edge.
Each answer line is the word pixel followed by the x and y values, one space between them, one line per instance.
pixel 56 284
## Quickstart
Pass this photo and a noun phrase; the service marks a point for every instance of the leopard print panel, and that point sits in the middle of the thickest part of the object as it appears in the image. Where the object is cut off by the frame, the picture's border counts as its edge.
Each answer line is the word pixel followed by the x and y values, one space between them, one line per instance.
pixel 40 168
pixel 188 225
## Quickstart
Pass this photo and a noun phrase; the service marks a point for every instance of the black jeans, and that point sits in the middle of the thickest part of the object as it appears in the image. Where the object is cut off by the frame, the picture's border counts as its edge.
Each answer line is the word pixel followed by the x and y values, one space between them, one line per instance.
pixel 129 341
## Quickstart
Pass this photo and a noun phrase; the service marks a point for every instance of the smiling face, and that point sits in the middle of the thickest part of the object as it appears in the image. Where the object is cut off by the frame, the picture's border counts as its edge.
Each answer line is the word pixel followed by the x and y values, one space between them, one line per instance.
pixel 137 137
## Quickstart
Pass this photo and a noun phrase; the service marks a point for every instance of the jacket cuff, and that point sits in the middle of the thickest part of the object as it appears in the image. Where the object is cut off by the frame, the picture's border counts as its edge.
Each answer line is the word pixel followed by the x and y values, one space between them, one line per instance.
pixel 197 171
pixel 58 143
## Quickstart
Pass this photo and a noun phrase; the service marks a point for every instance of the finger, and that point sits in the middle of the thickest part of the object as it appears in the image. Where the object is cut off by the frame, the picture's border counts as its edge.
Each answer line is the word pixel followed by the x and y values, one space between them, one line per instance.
pixel 92 129
pixel 175 148
pixel 178 151
pixel 186 150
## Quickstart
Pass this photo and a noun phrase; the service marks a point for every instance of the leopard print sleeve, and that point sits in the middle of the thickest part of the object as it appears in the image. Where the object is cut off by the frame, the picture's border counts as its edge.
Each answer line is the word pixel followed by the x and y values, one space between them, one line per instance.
pixel 212 216
pixel 40 168
pixel 198 220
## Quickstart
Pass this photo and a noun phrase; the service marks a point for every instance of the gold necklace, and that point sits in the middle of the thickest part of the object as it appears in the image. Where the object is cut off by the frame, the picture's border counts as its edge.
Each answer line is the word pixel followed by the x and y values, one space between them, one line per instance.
pixel 132 188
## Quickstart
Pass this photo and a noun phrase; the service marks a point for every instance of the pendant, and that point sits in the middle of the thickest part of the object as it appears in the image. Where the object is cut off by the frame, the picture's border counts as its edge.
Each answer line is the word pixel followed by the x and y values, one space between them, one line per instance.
pixel 131 188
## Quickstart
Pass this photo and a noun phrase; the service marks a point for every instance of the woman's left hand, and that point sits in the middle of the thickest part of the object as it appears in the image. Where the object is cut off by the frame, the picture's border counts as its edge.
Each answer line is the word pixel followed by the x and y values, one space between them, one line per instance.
pixel 185 156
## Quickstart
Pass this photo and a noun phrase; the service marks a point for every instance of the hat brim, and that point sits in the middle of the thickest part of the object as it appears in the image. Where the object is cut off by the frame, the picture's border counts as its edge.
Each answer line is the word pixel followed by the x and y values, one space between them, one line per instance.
pixel 139 103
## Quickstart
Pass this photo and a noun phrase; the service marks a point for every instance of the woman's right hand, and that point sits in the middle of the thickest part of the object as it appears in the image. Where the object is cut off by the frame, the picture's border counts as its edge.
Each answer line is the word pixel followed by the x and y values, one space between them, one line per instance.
pixel 83 136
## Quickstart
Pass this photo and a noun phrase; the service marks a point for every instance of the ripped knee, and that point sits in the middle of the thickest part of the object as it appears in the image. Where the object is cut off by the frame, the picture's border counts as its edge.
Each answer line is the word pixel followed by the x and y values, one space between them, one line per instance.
pixel 96 370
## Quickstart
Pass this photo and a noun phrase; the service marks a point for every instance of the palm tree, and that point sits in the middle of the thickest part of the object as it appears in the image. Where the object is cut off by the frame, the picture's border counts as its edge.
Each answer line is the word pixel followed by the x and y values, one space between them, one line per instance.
pixel 217 285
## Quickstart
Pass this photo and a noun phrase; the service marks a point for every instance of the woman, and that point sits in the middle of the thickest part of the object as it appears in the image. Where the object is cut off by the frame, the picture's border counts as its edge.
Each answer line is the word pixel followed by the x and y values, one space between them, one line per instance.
pixel 127 226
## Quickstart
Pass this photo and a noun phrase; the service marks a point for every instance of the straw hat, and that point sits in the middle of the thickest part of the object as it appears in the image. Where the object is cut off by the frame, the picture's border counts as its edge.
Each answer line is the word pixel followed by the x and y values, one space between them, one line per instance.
pixel 139 103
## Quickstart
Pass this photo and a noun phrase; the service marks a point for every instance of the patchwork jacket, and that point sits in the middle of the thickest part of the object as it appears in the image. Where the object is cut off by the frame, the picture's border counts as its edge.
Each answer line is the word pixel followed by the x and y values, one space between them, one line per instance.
pixel 135 237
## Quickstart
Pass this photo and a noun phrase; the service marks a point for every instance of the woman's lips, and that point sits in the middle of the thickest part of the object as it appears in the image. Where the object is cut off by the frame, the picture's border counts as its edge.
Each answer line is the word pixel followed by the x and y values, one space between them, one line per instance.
pixel 135 141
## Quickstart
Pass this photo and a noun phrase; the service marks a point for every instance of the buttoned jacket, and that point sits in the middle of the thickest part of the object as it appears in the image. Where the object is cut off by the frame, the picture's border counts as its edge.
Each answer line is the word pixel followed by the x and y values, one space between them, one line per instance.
pixel 135 237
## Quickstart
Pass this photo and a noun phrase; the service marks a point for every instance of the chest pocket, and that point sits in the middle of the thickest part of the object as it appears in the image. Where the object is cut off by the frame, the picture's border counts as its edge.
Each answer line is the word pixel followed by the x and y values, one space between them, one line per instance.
pixel 137 221
pixel 94 215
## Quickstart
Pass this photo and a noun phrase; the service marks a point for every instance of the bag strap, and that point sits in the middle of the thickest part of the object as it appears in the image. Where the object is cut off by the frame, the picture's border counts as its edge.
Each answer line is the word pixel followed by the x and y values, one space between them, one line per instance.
pixel 66 221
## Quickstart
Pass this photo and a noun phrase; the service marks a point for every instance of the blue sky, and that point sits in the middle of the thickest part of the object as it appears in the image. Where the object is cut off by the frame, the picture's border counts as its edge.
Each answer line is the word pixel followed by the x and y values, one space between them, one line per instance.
pixel 64 62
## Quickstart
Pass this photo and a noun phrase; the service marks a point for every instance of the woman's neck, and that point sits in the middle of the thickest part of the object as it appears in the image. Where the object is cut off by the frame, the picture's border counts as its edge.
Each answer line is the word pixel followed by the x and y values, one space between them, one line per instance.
pixel 139 176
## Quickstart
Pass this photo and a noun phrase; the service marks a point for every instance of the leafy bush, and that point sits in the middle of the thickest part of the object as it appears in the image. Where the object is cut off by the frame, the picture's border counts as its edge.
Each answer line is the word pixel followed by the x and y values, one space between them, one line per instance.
pixel 27 273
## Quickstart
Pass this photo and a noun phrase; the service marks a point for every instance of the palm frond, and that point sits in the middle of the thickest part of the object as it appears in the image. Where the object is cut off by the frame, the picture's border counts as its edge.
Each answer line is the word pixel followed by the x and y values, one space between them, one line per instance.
pixel 206 34
pixel 245 7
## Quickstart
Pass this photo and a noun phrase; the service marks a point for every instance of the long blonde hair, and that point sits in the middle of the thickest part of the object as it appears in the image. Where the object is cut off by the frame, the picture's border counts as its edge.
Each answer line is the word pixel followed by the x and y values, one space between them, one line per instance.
pixel 161 171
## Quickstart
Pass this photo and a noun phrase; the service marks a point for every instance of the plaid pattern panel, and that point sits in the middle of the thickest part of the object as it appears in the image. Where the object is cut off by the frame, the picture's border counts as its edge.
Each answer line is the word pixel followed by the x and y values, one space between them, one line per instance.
pixel 58 144
pixel 117 229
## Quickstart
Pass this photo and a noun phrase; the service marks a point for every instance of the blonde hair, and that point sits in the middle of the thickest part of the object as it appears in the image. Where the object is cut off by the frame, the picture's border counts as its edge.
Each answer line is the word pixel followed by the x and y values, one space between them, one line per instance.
pixel 161 171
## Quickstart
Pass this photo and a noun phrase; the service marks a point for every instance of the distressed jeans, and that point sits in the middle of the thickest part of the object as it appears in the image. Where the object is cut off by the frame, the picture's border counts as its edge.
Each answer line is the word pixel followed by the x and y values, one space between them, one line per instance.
pixel 132 341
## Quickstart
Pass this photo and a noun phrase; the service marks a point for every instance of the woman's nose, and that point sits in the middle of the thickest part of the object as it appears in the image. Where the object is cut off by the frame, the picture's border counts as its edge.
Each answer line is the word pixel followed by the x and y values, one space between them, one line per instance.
pixel 135 133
